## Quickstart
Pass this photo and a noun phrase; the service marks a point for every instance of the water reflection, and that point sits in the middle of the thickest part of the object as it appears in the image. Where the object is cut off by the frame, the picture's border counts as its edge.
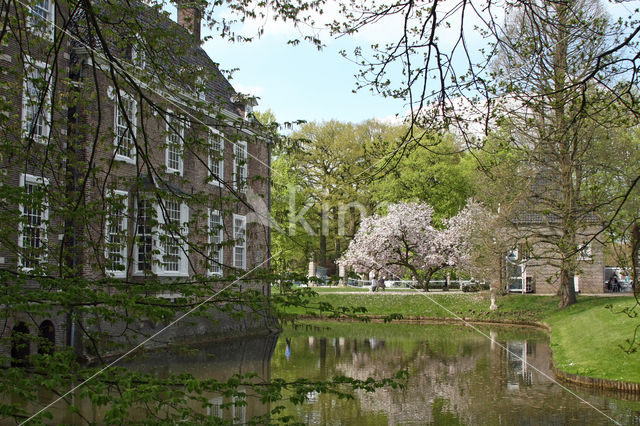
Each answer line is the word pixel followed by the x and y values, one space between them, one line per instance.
pixel 215 360
pixel 457 376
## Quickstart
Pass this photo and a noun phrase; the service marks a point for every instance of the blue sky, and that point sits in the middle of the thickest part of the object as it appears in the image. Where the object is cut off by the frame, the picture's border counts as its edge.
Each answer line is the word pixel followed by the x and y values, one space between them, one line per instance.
pixel 300 82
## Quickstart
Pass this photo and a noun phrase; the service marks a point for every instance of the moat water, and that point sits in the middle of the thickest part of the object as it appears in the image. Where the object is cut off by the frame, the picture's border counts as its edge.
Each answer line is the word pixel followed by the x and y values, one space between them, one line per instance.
pixel 457 376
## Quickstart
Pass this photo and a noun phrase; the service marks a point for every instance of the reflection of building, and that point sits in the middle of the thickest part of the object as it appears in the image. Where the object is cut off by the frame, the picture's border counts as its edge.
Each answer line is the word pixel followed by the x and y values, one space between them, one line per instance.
pixel 456 375
pixel 517 367
pixel 211 361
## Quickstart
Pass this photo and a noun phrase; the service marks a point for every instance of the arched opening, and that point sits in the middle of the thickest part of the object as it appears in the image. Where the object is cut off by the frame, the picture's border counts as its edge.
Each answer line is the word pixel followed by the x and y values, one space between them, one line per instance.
pixel 48 338
pixel 20 345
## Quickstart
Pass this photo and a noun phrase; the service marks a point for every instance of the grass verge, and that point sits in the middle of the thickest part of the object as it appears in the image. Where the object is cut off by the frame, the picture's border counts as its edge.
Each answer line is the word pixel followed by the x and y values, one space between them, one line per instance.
pixel 588 339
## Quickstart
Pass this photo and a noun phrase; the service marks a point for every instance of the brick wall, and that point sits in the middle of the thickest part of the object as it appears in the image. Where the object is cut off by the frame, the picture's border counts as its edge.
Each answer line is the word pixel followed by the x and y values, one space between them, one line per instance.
pixel 82 136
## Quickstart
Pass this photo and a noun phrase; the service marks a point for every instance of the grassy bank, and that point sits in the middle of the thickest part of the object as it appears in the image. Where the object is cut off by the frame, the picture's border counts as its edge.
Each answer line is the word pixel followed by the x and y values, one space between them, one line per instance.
pixel 441 305
pixel 586 338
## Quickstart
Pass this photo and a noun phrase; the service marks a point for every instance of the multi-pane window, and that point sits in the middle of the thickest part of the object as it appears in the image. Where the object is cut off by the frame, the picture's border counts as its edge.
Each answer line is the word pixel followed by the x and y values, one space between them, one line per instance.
pixel 240 166
pixel 215 241
pixel 240 245
pixel 33 225
pixel 138 55
pixel 161 237
pixel 144 235
pixel 175 138
pixel 171 241
pixel 36 102
pixel 42 17
pixel 239 412
pixel 116 233
pixel 125 127
pixel 216 158
pixel 215 407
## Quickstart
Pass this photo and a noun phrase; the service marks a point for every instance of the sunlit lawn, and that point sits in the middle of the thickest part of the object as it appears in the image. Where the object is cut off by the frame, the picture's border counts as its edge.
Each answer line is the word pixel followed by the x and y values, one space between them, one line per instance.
pixel 586 339
pixel 418 304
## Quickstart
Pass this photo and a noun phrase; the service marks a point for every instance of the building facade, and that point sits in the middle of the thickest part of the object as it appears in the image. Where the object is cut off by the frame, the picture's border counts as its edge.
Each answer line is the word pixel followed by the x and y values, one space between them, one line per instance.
pixel 131 169
pixel 533 265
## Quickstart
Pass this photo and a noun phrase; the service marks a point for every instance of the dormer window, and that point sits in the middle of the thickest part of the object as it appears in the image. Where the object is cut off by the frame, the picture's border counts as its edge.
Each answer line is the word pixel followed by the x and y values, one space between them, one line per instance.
pixel 42 17
pixel 138 55
pixel 201 89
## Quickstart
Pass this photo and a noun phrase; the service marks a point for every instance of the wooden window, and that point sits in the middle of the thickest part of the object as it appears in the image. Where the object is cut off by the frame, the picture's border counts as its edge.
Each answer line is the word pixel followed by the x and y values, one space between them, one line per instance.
pixel 36 102
pixel 116 233
pixel 34 212
pixel 216 237
pixel 124 112
pixel 240 166
pixel 239 236
pixel 216 158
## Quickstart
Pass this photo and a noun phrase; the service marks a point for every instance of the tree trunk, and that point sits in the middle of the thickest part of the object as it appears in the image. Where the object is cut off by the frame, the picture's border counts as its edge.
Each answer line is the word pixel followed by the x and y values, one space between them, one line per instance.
pixel 322 261
pixel 566 151
pixel 427 278
pixel 567 289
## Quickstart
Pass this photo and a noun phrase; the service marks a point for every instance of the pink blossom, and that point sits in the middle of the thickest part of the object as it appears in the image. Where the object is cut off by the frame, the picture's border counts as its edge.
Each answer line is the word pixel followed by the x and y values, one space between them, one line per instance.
pixel 404 241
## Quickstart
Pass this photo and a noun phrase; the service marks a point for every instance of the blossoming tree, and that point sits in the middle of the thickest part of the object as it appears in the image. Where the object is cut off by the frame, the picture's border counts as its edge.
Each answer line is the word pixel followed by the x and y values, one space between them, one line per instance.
pixel 404 241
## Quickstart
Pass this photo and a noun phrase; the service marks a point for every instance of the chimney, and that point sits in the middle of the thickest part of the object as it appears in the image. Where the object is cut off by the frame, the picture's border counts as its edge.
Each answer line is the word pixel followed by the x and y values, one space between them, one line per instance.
pixel 190 16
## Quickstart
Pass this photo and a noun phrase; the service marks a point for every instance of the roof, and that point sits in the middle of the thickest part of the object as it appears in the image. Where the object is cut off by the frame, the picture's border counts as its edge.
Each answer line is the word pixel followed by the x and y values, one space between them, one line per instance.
pixel 537 208
pixel 174 53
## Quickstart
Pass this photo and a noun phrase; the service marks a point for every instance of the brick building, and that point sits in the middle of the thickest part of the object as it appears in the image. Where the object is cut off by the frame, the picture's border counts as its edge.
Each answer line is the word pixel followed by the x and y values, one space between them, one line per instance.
pixel 538 229
pixel 535 263
pixel 130 166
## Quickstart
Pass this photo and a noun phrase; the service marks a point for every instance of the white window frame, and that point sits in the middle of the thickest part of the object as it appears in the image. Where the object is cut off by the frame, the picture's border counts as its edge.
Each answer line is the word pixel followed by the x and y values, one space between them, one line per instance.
pixel 215 407
pixel 44 217
pixel 239 412
pixel 240 165
pixel 41 14
pixel 123 233
pixel 219 163
pixel 178 123
pixel 117 111
pixel 201 90
pixel 36 70
pixel 151 235
pixel 216 236
pixel 164 237
pixel 238 244
pixel 586 253
pixel 138 55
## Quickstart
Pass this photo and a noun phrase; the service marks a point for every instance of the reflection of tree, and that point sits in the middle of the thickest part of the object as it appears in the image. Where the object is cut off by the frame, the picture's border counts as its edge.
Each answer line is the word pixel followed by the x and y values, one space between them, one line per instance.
pixel 456 377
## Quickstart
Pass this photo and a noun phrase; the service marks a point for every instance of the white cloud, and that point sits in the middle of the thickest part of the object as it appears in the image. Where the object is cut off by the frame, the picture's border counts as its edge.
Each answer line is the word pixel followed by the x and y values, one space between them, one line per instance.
pixel 386 30
pixel 249 90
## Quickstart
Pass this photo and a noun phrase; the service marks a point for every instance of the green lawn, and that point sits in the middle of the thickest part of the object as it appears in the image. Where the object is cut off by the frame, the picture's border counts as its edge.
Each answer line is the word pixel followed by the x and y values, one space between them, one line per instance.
pixel 336 289
pixel 586 338
pixel 418 304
